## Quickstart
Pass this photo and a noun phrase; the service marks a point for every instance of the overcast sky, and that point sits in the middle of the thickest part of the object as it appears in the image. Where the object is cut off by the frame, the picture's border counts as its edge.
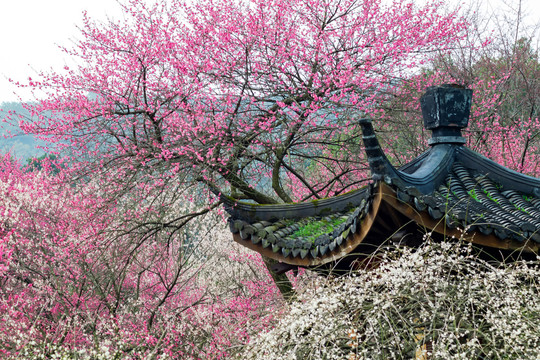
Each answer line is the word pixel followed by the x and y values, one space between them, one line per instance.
pixel 31 29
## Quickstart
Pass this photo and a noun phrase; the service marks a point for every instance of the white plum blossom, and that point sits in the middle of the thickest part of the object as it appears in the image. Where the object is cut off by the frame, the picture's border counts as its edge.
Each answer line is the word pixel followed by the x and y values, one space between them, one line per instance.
pixel 441 301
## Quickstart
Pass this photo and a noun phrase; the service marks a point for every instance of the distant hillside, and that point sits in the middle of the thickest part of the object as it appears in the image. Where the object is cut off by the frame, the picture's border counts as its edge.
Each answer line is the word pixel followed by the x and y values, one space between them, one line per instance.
pixel 20 145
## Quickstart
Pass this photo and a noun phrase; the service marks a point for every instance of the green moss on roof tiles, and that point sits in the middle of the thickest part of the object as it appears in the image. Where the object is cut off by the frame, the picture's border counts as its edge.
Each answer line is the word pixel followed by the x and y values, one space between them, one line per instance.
pixel 312 230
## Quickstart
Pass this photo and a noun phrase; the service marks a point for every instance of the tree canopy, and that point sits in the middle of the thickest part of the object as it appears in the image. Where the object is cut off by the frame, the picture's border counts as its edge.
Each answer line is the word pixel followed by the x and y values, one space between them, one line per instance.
pixel 257 99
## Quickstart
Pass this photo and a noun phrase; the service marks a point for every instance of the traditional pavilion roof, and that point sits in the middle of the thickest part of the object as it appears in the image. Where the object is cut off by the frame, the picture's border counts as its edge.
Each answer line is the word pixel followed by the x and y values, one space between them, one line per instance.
pixel 449 190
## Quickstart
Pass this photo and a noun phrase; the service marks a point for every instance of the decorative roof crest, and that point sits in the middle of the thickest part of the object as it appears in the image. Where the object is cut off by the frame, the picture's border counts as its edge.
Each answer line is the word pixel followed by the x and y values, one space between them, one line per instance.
pixel 446 109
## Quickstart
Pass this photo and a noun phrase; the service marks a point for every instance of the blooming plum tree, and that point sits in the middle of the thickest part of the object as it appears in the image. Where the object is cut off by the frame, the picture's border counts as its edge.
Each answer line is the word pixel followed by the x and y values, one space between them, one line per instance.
pixel 441 301
pixel 69 285
pixel 166 107
pixel 241 96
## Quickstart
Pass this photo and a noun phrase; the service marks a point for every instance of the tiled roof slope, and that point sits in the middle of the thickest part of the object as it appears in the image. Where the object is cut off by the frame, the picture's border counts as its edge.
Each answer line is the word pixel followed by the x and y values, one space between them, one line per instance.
pixel 471 200
pixel 311 236
pixel 449 189
pixel 309 233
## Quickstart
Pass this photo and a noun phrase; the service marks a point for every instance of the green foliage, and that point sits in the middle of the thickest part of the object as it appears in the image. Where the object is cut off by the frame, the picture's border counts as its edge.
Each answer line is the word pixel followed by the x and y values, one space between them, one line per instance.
pixel 490 197
pixel 37 163
pixel 520 209
pixel 472 193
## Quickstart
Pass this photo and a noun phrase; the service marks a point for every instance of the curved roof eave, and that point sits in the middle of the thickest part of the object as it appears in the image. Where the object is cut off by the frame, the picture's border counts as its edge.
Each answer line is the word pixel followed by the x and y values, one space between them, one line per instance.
pixel 264 212
pixel 429 170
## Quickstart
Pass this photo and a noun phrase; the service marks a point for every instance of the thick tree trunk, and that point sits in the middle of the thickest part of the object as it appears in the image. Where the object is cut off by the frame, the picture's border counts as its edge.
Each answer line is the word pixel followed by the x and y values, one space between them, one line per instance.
pixel 282 281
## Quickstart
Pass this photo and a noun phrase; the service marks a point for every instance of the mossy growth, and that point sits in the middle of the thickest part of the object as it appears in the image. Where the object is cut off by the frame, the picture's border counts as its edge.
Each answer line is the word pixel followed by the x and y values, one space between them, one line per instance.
pixel 314 229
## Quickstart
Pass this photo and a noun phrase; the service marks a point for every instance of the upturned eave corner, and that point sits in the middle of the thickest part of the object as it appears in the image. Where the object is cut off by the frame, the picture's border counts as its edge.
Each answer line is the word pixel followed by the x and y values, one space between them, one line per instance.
pixel 364 222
